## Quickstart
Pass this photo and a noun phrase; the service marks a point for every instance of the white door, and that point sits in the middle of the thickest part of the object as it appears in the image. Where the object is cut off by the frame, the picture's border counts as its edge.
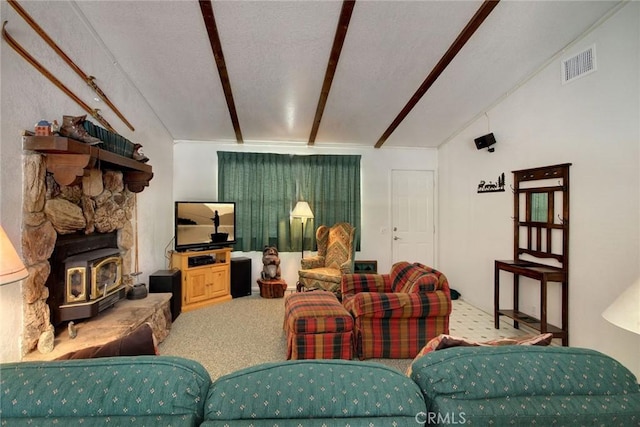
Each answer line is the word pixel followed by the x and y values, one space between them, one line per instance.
pixel 412 217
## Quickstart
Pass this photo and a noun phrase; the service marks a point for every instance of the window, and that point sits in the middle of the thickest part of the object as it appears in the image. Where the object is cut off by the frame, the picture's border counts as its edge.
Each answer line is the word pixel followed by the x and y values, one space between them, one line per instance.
pixel 266 187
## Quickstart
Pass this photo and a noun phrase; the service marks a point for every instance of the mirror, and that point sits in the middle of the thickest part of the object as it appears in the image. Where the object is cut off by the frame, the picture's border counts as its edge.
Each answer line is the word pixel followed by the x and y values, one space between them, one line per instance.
pixel 539 207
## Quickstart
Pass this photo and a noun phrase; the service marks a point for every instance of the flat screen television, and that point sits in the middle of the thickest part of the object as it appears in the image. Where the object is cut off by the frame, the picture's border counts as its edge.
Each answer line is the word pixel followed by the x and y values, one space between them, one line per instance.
pixel 204 225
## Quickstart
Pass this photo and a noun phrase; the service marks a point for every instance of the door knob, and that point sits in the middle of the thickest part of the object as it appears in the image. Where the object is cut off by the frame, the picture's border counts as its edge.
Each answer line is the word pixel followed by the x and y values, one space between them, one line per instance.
pixel 396 238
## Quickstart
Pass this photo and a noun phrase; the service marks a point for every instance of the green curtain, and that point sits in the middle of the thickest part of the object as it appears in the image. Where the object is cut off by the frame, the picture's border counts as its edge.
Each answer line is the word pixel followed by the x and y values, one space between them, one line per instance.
pixel 266 187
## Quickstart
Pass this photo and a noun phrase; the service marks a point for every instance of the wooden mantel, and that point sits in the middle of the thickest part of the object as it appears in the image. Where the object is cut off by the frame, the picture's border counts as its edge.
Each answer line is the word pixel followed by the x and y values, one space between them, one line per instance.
pixel 67 160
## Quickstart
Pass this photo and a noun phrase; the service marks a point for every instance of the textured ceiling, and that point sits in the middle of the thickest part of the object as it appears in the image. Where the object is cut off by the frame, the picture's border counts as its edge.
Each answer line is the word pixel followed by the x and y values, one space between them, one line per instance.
pixel 276 54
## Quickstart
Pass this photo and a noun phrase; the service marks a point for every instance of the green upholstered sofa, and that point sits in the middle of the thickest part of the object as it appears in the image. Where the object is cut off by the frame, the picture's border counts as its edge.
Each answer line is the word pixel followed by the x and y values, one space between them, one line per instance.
pixel 525 386
pixel 476 386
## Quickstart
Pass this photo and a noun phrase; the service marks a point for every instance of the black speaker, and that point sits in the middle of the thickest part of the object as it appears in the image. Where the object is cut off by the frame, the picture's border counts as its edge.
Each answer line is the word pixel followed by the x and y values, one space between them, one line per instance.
pixel 485 141
pixel 240 277
pixel 168 281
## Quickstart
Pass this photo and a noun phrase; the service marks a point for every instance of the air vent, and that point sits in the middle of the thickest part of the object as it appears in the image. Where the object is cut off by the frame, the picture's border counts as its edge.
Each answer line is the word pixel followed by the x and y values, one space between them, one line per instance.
pixel 579 65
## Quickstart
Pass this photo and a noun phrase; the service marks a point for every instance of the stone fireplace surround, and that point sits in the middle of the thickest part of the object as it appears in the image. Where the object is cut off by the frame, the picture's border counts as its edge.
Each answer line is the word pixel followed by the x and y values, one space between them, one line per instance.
pixel 98 203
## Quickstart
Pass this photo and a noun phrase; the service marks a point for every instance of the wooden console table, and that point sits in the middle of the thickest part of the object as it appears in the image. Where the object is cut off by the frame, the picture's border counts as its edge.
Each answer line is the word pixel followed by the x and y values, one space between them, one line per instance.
pixel 540 233
pixel 544 274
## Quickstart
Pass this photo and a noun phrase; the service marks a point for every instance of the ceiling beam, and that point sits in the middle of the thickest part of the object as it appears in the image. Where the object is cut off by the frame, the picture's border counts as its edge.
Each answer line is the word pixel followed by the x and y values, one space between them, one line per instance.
pixel 206 7
pixel 338 41
pixel 471 27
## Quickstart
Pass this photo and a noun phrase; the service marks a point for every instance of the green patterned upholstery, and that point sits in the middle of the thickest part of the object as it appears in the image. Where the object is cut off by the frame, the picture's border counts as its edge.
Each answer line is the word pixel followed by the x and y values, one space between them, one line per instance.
pixel 314 393
pixel 335 257
pixel 528 385
pixel 142 390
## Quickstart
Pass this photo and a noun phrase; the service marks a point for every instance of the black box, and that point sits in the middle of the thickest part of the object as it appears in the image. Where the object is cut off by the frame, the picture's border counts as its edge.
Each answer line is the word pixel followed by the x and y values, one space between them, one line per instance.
pixel 168 281
pixel 240 277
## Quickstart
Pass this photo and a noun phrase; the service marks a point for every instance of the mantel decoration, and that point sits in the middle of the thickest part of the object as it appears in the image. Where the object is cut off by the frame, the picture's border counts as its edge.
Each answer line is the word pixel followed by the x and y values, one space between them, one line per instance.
pixel 490 186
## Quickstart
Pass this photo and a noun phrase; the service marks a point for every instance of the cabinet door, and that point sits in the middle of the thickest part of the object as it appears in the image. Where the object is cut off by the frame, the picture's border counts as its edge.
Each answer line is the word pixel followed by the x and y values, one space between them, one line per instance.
pixel 197 287
pixel 219 282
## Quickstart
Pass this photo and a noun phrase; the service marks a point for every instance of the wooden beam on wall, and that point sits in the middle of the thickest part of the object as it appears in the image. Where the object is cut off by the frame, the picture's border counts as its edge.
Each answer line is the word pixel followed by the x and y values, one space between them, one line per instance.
pixel 206 7
pixel 338 42
pixel 485 9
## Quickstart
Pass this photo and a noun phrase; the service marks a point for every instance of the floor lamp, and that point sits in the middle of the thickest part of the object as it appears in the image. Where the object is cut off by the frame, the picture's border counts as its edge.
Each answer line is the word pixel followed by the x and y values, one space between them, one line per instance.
pixel 11 267
pixel 302 211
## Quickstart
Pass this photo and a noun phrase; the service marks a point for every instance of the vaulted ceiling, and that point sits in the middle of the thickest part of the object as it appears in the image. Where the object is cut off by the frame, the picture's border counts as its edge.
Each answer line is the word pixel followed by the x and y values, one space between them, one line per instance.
pixel 371 73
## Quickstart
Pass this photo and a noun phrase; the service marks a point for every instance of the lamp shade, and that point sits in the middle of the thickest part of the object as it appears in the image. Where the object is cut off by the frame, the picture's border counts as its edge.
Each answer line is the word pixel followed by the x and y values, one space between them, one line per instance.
pixel 11 267
pixel 624 312
pixel 302 210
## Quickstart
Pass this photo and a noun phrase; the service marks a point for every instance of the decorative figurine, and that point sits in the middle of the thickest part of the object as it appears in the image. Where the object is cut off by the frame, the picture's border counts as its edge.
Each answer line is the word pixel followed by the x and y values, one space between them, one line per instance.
pixel 73 330
pixel 271 263
pixel 138 154
pixel 43 128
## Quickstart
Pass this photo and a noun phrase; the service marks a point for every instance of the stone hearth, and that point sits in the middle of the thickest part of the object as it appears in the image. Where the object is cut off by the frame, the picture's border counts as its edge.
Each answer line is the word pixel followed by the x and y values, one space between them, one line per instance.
pixel 98 202
pixel 114 323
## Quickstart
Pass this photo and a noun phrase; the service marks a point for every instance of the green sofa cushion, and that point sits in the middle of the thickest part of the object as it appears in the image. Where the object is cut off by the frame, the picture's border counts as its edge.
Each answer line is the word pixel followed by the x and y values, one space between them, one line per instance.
pixel 314 389
pixel 482 372
pixel 105 387
pixel 525 385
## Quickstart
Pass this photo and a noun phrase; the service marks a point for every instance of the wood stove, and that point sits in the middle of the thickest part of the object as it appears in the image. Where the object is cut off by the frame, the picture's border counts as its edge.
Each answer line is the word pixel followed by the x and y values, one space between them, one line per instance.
pixel 86 277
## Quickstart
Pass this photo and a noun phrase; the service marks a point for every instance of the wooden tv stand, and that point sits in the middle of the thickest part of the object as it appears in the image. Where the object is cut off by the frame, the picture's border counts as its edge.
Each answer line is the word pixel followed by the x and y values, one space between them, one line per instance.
pixel 205 277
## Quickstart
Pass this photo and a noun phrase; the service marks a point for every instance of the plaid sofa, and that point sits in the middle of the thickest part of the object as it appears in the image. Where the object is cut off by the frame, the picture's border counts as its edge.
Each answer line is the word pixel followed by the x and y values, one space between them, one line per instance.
pixel 396 314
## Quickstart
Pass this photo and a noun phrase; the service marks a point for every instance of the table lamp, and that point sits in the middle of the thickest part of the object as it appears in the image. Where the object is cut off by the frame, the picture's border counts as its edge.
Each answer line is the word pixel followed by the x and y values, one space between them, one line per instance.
pixel 11 267
pixel 624 312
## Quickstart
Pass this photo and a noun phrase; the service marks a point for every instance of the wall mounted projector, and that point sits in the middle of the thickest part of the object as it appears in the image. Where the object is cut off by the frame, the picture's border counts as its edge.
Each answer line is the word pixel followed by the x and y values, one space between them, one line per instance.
pixel 485 141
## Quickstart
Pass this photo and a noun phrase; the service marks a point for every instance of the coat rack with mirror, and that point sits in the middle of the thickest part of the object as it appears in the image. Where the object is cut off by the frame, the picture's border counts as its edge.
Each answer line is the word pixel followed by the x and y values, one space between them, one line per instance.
pixel 540 245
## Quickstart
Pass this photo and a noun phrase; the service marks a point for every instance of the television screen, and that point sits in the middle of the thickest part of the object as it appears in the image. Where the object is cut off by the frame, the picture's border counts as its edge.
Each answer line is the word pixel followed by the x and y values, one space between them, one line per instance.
pixel 204 225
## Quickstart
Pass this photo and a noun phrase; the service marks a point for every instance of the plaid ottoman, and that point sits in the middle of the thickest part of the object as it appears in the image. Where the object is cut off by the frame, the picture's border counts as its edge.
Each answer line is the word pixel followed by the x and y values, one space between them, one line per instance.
pixel 317 326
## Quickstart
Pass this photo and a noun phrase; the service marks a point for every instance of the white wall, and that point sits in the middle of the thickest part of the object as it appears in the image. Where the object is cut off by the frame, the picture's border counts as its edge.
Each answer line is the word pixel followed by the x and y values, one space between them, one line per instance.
pixel 27 97
pixel 195 174
pixel 592 123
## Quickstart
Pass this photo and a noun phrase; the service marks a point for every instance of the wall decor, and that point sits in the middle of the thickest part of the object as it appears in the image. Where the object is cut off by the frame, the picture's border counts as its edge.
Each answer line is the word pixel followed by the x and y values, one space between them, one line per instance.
pixel 490 186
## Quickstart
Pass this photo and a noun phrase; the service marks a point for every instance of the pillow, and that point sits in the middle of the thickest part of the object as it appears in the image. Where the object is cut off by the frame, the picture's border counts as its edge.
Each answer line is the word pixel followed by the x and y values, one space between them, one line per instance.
pixel 139 342
pixel 403 275
pixel 446 341
pixel 428 282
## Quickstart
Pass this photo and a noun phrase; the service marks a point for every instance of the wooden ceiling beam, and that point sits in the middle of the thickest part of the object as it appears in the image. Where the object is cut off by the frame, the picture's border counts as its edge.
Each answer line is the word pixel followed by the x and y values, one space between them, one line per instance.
pixel 338 42
pixel 206 7
pixel 485 9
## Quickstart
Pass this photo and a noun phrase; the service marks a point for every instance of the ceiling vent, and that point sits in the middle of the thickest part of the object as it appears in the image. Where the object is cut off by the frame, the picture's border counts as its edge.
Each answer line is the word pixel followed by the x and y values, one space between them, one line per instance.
pixel 579 65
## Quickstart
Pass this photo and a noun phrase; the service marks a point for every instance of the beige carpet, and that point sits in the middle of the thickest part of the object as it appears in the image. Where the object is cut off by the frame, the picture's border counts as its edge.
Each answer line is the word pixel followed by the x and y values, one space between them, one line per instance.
pixel 247 331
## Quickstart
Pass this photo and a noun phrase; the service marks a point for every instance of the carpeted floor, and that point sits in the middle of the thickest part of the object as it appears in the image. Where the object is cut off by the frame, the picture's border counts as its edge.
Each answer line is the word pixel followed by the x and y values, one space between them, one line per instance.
pixel 248 331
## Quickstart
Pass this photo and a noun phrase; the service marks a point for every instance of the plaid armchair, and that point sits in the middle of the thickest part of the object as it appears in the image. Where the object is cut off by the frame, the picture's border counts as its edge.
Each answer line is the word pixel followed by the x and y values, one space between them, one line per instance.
pixel 335 258
pixel 396 314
